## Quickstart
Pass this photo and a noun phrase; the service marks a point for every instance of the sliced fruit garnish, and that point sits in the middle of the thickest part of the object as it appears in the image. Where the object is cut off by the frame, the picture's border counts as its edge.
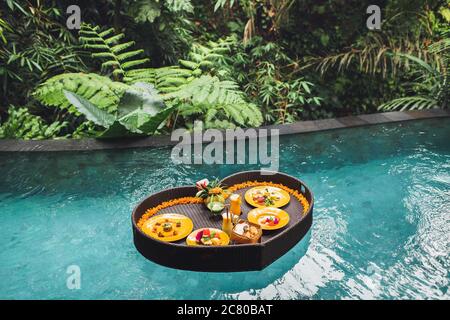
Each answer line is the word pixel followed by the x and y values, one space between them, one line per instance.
pixel 199 236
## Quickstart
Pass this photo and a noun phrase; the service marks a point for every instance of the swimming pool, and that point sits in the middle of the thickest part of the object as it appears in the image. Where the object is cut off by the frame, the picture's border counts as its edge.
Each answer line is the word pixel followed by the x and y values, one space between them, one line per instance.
pixel 381 220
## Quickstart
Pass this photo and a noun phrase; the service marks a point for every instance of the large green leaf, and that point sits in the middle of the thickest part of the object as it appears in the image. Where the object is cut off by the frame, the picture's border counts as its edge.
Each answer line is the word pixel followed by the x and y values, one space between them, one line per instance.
pixel 92 112
pixel 142 122
pixel 116 130
pixel 419 62
pixel 155 121
pixel 134 120
pixel 141 96
pixel 140 109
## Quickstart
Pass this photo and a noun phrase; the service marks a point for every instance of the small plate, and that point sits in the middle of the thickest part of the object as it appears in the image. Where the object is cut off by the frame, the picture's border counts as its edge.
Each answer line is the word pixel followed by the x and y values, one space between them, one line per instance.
pixel 259 215
pixel 180 227
pixel 191 239
pixel 283 196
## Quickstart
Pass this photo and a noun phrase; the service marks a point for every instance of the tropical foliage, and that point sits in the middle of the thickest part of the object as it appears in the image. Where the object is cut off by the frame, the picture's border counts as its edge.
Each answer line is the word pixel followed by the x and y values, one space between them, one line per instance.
pixel 146 67
pixel 432 83
pixel 22 124
pixel 140 111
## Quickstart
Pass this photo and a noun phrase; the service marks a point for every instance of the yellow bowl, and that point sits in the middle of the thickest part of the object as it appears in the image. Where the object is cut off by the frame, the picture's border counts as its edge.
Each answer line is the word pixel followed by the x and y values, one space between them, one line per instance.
pixel 154 227
pixel 258 215
pixel 283 200
pixel 191 239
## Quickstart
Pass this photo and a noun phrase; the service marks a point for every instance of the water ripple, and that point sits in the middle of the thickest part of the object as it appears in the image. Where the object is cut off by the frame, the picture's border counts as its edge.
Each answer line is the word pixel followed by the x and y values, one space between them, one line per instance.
pixel 381 221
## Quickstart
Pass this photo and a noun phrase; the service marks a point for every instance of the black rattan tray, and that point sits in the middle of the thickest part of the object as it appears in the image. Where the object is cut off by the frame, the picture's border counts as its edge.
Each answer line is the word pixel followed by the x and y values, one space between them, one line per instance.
pixel 238 257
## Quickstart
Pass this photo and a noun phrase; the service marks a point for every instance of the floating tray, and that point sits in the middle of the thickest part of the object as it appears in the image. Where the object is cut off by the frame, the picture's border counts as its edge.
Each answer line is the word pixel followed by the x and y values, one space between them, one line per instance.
pixel 234 257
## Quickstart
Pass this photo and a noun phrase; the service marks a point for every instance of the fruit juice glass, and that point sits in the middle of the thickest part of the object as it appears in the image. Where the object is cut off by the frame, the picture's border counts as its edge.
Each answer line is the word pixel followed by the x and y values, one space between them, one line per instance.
pixel 235 204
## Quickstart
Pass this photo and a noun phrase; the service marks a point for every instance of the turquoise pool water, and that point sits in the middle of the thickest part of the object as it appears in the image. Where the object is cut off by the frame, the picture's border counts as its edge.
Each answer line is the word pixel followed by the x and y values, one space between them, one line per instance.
pixel 381 221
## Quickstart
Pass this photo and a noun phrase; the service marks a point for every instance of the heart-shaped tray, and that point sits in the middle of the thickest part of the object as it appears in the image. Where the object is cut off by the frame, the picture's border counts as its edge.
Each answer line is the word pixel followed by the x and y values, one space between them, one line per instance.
pixel 234 257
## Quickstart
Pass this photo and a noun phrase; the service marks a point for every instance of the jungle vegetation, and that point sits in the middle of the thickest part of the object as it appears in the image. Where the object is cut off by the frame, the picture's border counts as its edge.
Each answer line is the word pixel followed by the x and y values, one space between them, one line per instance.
pixel 146 67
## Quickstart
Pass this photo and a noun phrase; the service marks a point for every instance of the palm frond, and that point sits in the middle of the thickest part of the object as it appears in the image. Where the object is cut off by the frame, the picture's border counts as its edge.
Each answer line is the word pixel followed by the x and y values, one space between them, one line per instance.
pixel 409 103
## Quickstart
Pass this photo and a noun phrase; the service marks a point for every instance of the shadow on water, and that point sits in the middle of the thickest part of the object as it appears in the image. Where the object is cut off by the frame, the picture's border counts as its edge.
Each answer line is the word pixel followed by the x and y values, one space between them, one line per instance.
pixel 235 281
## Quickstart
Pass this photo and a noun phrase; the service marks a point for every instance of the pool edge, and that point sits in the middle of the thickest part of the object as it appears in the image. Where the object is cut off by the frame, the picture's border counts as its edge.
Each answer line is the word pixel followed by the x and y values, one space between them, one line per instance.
pixel 9 145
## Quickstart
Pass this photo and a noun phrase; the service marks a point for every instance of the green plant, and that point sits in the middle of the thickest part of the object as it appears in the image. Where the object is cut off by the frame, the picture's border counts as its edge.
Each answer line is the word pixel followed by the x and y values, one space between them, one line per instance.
pixel 126 64
pixel 264 72
pixel 208 56
pixel 140 111
pixel 23 125
pixel 107 47
pixel 163 28
pixel 165 79
pixel 431 84
pixel 265 18
pixel 221 103
pixel 375 53
pixel 36 46
pixel 4 26
pixel 149 10
pixel 99 90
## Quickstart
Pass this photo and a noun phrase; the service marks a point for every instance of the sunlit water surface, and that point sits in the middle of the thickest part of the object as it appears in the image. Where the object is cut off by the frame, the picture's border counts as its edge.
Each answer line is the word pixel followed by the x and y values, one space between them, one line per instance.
pixel 381 221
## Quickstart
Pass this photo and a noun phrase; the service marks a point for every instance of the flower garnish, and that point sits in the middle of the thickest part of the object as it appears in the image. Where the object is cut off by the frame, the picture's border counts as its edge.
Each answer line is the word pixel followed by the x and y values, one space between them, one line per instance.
pixel 202 184
pixel 216 190
pixel 207 189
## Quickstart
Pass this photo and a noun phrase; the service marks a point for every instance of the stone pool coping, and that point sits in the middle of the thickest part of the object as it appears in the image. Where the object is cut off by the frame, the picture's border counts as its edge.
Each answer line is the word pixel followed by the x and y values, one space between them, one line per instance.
pixel 9 145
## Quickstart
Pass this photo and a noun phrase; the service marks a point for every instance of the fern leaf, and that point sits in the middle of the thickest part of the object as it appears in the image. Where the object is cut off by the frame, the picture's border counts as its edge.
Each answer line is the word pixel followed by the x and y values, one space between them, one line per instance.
pixel 89 33
pixel 170 81
pixel 234 112
pixel 105 33
pixel 99 90
pixel 133 63
pixel 90 39
pixel 115 39
pixel 188 64
pixel 210 115
pixel 130 54
pixel 209 92
pixel 121 47
pixel 96 46
pixel 110 63
pixel 106 46
pixel 103 55
pixel 136 72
